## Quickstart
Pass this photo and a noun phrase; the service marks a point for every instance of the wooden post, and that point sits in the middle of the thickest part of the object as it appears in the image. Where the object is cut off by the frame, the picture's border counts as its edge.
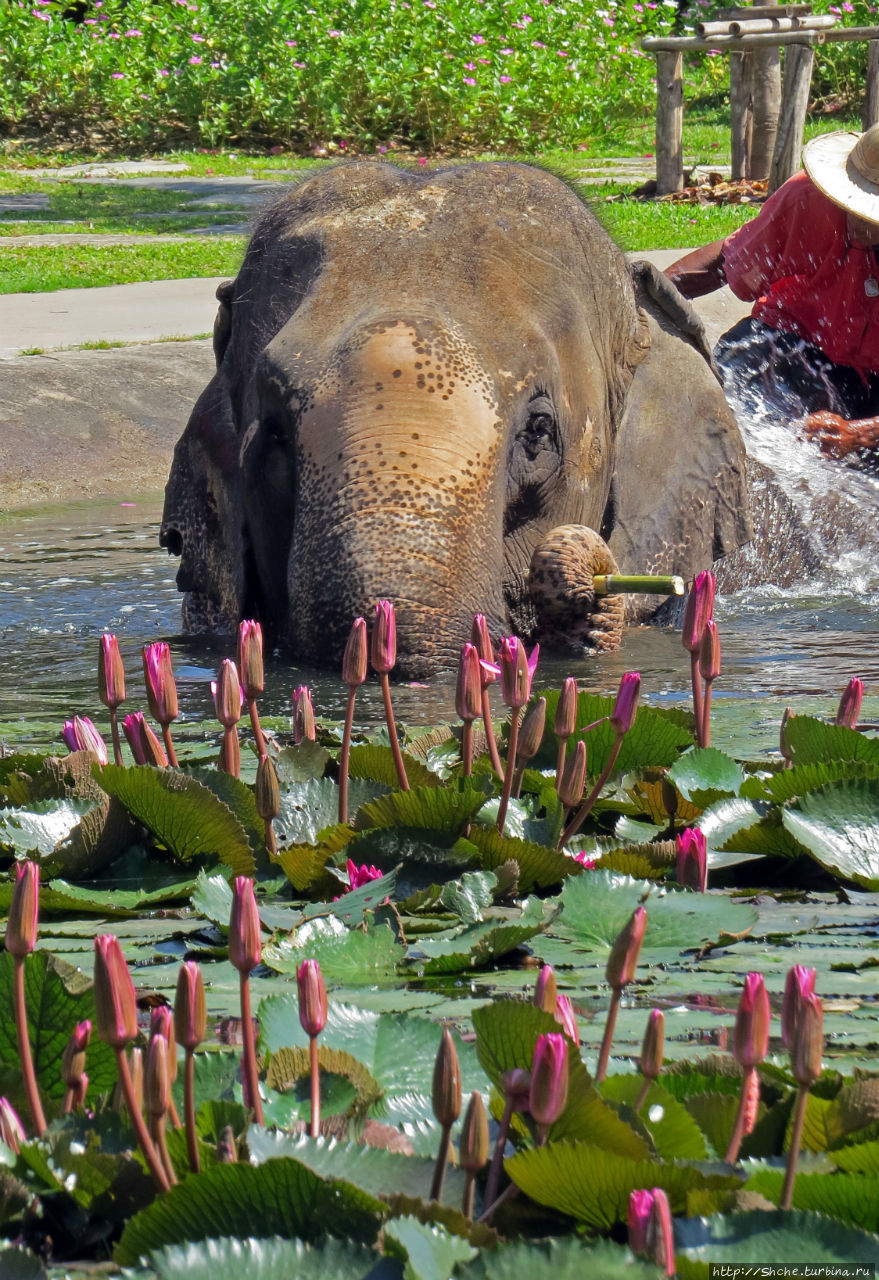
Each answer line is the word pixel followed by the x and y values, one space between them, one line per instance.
pixel 741 119
pixel 871 97
pixel 798 59
pixel 669 123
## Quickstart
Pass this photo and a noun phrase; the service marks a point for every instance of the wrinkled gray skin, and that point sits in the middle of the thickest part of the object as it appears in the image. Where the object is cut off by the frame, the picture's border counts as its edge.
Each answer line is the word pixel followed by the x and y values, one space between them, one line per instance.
pixel 426 381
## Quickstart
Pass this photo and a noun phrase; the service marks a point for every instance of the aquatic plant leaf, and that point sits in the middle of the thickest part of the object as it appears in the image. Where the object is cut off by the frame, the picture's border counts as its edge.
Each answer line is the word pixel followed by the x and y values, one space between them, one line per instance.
pixel 593 1185
pixel 657 737
pixel 715 1114
pixel 704 775
pixel 539 867
pixel 240 798
pixel 675 1134
pixel 430 1252
pixel 301 762
pixel 344 955
pixel 811 740
pixel 768 838
pixel 377 764
pixel 849 1198
pixel 788 784
pixel 279 1198
pixel 862 1157
pixel 470 896
pixel 288 1066
pixel 21 1264
pixel 839 825
pixel 230 1258
pixel 308 808
pixel 649 799
pixel 182 813
pixel 722 821
pixel 434 808
pixel 479 944
pixel 769 1238
pixel 43 827
pixel 60 898
pixel 304 864
pixel 565 1258
pixel 420 855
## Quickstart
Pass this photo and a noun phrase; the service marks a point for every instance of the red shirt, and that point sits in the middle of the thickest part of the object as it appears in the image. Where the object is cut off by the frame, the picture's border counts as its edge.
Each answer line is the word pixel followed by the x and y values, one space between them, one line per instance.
pixel 796 260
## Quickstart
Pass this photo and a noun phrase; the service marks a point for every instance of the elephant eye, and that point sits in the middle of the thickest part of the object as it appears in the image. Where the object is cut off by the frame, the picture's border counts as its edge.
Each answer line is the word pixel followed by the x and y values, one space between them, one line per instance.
pixel 540 428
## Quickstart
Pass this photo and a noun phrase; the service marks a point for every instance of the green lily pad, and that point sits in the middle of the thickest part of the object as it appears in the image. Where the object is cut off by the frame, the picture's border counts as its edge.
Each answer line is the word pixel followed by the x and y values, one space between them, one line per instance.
pixel 839 825
pixel 230 1258
pixel 566 1258
pixel 344 955
pixel 766 1238
pixel 431 1252
pixel 705 775
pixel 849 1198
pixel 539 867
pixel 674 1132
pixel 377 764
pixel 812 741
pixel 479 944
pixel 448 808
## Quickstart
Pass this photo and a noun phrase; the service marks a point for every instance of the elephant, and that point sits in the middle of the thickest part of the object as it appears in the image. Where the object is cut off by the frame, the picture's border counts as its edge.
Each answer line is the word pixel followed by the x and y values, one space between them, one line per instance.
pixel 447 387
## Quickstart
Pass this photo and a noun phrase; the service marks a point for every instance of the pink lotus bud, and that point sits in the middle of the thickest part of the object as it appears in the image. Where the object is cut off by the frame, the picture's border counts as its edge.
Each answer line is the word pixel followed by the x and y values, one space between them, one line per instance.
pixel 574 777
pixel 545 990
pixel 850 704
pixel 111 673
pixel 228 698
pixel 692 859
pixel 145 746
pixel 626 705
pixel 21 925
pixel 660 1233
pixel 623 959
pixel 160 687
pixel 697 611
pixel 354 657
pixel 481 641
pixel 653 1044
pixel 383 647
pixel 250 663
pixel 640 1204
pixel 312 997
pixel 474 1142
pixel 115 1001
pixel 81 735
pixel 446 1092
pixel 359 876
pixel 245 947
pixel 190 1014
pixel 468 694
pixel 531 731
pixel 564 1013
pixel 516 1084
pixel 808 1042
pixel 517 671
pixel 709 652
pixel 751 1035
pixel 752 1102
pixel 12 1132
pixel 73 1059
pixel 303 715
pixel 162 1022
pixel 799 986
pixel 157 1085
pixel 566 709
pixel 267 791
pixel 549 1078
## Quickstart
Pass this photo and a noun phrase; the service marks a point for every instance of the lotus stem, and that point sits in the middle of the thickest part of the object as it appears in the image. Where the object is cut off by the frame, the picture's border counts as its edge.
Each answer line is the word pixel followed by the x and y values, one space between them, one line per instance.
pixel 517 782
pixel 489 734
pixel 607 584
pixel 469 1192
pixel 189 1111
pixel 249 1074
pixel 738 1132
pixel 315 1087
pixel 29 1076
pixel 169 746
pixel 642 1093
pixel 560 762
pixel 509 771
pixel 790 1176
pixel 385 683
pixel 257 728
pixel 114 734
pixel 583 812
pixel 607 1038
pixel 706 715
pixel 442 1159
pixel 497 1159
pixel 508 1193
pixel 467 747
pixel 696 683
pixel 346 754
pixel 151 1156
pixel 157 1134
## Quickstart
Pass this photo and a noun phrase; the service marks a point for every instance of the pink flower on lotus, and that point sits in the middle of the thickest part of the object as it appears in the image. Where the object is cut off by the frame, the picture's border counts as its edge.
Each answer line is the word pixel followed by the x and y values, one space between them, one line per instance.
pixel 80 734
pixel 585 861
pixel 359 876
pixel 516 670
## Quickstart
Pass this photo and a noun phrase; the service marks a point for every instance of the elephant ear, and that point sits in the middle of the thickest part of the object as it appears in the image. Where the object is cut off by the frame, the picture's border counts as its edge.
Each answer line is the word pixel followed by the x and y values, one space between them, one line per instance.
pixel 223 321
pixel 679 494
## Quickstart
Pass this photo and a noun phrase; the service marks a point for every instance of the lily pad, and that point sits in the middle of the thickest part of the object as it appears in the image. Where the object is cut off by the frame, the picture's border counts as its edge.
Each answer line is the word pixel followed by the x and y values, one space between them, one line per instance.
pixel 230 1258
pixel 344 955
pixel 705 775
pixel 839 825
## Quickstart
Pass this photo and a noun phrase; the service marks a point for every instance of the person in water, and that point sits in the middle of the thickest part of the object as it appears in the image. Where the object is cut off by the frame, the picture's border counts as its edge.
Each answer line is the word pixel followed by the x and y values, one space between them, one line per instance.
pixel 808 261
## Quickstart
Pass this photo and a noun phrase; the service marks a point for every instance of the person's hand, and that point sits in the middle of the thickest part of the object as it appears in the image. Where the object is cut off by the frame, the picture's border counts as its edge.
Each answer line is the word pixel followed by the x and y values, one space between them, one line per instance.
pixel 834 436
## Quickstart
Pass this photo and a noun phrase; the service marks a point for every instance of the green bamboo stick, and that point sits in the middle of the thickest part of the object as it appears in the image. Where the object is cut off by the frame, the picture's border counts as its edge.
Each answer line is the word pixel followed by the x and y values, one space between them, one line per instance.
pixel 605 584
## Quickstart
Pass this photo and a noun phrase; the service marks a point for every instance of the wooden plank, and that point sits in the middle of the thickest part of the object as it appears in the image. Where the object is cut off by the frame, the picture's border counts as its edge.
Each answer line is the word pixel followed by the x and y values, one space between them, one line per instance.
pixel 871 96
pixel 669 123
pixel 766 11
pixel 741 119
pixel 762 26
pixel 773 39
pixel 786 158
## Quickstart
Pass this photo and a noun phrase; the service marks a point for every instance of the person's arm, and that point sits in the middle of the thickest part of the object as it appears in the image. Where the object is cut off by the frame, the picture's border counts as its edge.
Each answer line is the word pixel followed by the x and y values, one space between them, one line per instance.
pixel 838 437
pixel 699 272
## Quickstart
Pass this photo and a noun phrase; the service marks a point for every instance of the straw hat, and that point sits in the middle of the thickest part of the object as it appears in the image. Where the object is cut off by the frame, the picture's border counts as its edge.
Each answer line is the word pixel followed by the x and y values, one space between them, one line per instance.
pixel 845 166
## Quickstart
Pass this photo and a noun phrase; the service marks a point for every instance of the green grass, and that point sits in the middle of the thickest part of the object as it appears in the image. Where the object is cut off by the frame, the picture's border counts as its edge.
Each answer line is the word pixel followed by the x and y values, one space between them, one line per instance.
pixel 46 267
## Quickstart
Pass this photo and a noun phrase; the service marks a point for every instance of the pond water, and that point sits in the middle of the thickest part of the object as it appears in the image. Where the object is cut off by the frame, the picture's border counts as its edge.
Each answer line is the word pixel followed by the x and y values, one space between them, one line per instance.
pixel 70 573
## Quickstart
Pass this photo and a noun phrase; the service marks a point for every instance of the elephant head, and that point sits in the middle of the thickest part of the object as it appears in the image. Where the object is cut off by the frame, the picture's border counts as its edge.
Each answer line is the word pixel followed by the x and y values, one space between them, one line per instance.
pixel 440 388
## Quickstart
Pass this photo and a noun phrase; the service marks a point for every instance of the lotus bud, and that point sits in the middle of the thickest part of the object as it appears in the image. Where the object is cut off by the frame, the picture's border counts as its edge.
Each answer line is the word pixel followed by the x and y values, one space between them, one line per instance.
pixel 268 791
pixel 73 1060
pixel 135 1066
pixel 531 731
pixel 784 737
pixel 383 647
pixel 303 715
pixel 850 704
pixel 623 959
pixel 312 998
pixel 228 698
pixel 799 986
pixel 12 1133
pixel 80 734
pixel 162 1022
pixel 145 746
pixel 653 1044
pixel 626 705
pixel 359 876
pixel 473 1146
pixel 698 610
pixel 190 1014
pixel 481 641
pixel 250 662
pixel 79 1091
pixel 566 710
pixel 446 1094
pixel 157 1084
pixel 751 1035
pixel 516 1084
pixel 564 1013
pixel 245 947
pixel 692 859
pixel 640 1204
pixel 660 1233
pixel 549 1078
pixel 709 652
pixel 752 1102
pixel 159 678
pixel 574 777
pixel 111 673
pixel 21 926
pixel 354 658
pixel 808 1042
pixel 115 1001
pixel 545 990
pixel 468 694
pixel 516 671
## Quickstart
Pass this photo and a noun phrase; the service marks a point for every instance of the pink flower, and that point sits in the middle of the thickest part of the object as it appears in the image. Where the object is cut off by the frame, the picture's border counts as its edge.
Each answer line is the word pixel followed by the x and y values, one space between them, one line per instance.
pixel 587 862
pixel 506 52
pixel 358 876
pixel 80 734
pixel 470 66
pixel 478 39
pixel 118 75
pixel 422 160
pixel 334 35
pixel 197 39
pixel 505 79
pixel 469 80
pixel 195 62
pixel 560 53
pixel 537 44
pixel 134 32
pixel 291 44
